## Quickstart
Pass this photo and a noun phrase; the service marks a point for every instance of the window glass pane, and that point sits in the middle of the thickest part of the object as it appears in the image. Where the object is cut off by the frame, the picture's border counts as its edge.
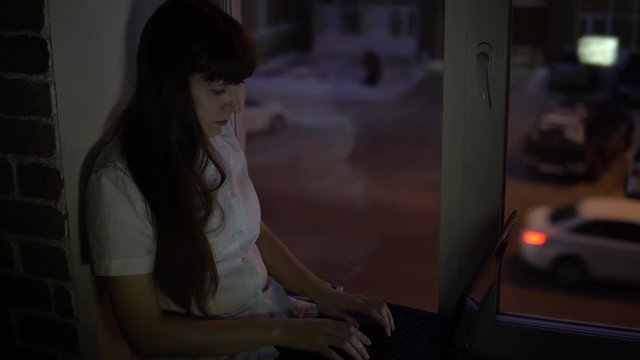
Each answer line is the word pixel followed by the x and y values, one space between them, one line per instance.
pixel 591 5
pixel 413 25
pixel 249 19
pixel 599 26
pixel 624 231
pixel 350 20
pixel 395 24
pixel 626 7
pixel 623 29
pixel 593 228
pixel 344 140
pixel 573 131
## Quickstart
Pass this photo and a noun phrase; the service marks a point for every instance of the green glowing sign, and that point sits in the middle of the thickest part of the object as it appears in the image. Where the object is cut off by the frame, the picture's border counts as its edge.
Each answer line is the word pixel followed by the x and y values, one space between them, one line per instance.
pixel 599 50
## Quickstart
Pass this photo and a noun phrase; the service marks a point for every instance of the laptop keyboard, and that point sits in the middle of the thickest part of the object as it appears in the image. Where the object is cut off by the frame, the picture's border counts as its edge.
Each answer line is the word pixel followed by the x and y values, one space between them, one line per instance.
pixel 412 332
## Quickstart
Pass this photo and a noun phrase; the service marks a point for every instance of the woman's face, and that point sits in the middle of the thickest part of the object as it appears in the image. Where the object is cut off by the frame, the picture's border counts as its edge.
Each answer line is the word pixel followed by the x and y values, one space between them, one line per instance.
pixel 214 102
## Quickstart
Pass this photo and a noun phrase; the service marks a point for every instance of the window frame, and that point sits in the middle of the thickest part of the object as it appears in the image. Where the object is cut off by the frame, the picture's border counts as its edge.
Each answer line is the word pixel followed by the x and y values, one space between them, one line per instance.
pixel 472 197
pixel 472 193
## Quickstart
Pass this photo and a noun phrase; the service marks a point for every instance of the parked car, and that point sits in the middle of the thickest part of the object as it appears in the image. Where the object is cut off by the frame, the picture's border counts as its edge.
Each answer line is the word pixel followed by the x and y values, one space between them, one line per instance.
pixel 627 85
pixel 595 238
pixel 264 117
pixel 578 138
pixel 566 73
pixel 632 180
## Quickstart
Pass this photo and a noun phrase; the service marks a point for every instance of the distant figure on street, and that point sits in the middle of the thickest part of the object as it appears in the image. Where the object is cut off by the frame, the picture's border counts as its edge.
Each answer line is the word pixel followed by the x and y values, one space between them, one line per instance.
pixel 373 71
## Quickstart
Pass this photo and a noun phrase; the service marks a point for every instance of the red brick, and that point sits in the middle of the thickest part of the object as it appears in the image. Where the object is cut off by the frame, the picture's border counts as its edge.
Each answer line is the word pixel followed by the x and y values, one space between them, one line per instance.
pixel 35 180
pixel 25 98
pixel 25 292
pixel 6 177
pixel 48 333
pixel 44 260
pixel 7 260
pixel 23 54
pixel 63 302
pixel 22 218
pixel 21 137
pixel 21 15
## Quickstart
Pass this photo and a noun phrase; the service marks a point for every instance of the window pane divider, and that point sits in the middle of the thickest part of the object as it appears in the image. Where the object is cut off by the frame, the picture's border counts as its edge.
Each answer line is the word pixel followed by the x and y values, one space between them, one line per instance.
pixel 566 326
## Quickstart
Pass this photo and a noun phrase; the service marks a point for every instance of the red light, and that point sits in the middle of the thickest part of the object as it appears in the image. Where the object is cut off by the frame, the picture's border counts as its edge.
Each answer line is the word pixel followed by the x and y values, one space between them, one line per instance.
pixel 534 238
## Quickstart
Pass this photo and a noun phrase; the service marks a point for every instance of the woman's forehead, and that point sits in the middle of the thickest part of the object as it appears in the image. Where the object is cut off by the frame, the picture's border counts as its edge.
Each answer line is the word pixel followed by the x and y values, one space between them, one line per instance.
pixel 204 78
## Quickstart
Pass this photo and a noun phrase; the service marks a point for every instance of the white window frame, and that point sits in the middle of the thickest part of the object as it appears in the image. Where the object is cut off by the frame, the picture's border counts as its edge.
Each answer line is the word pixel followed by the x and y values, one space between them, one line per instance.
pixel 472 194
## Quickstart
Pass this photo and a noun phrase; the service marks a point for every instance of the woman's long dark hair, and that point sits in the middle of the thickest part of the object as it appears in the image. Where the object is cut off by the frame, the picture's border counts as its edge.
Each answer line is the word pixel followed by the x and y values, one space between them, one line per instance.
pixel 164 146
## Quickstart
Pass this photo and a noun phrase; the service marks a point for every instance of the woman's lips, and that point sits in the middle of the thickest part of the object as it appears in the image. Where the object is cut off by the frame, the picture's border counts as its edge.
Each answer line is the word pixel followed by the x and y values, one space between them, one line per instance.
pixel 222 122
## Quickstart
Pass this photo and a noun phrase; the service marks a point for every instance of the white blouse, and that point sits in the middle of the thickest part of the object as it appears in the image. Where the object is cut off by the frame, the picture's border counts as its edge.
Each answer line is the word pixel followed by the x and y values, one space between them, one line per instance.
pixel 122 242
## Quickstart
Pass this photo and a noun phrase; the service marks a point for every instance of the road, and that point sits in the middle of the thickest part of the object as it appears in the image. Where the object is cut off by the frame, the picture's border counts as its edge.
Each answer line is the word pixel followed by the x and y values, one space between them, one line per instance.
pixel 531 292
pixel 354 191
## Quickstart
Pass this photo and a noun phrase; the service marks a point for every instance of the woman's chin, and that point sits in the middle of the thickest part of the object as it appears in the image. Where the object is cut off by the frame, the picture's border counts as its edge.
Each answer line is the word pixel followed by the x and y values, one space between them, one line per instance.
pixel 214 132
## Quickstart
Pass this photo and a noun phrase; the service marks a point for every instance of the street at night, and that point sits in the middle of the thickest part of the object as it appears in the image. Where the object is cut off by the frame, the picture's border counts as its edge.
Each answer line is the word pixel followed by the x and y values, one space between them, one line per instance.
pixel 355 193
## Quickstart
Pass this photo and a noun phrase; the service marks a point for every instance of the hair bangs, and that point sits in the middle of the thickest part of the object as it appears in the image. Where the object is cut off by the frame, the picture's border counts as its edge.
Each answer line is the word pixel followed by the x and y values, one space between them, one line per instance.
pixel 232 58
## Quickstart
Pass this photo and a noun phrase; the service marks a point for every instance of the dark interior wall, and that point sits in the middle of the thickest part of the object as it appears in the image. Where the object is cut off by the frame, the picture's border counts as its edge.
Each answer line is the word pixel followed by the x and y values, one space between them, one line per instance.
pixel 37 312
pixel 550 28
pixel 530 26
pixel 298 37
pixel 561 27
pixel 431 36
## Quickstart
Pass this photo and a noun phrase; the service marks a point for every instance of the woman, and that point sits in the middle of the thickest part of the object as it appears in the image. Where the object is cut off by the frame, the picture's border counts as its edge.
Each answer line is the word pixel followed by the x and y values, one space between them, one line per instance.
pixel 174 222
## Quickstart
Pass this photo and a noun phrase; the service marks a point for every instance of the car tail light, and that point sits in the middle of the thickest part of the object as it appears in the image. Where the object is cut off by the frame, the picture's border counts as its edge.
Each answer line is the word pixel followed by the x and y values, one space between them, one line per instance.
pixel 534 237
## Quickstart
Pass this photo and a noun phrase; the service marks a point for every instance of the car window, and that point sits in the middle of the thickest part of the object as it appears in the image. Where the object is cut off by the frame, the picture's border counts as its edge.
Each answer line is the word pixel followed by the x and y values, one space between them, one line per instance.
pixel 610 229
pixel 563 213
pixel 594 228
pixel 623 231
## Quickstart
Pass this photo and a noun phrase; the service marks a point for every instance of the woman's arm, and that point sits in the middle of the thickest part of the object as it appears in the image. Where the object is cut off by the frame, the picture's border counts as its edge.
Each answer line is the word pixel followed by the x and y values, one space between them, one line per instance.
pixel 149 332
pixel 283 266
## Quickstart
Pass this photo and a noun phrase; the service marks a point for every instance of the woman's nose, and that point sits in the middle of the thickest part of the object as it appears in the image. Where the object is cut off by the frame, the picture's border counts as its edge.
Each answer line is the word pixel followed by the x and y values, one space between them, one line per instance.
pixel 230 105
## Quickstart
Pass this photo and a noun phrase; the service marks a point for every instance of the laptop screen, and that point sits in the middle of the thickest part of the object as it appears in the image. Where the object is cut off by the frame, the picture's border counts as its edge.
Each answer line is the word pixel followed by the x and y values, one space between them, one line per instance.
pixel 486 277
pixel 489 272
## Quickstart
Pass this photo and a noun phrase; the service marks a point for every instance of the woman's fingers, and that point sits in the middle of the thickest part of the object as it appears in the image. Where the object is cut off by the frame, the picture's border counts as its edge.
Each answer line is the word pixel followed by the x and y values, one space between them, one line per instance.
pixel 353 343
pixel 350 341
pixel 361 337
pixel 386 314
pixel 342 316
pixel 330 354
pixel 390 317
pixel 381 314
pixel 356 350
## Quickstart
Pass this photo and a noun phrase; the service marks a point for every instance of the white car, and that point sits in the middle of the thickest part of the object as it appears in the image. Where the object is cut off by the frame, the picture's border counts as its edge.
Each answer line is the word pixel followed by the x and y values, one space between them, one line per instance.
pixel 632 180
pixel 267 117
pixel 595 238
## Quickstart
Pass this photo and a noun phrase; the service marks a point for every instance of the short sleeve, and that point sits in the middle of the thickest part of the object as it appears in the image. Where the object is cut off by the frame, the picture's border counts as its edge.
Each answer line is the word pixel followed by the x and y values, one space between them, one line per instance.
pixel 119 231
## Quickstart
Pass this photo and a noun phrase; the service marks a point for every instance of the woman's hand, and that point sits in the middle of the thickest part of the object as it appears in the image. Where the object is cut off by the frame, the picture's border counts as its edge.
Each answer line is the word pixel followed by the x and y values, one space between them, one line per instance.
pixel 325 336
pixel 335 304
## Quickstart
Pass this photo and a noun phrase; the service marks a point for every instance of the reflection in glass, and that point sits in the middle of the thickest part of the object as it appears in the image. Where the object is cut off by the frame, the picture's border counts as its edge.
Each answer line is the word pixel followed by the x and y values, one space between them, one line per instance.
pixel 573 132
pixel 343 121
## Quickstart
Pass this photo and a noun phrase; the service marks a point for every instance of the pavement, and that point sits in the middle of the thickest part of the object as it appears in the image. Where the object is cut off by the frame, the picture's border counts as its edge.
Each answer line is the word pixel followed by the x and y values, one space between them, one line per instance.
pixel 353 188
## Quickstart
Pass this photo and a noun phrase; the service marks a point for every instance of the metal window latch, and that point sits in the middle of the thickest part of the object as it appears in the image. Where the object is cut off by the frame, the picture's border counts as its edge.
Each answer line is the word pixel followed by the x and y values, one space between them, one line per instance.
pixel 483 68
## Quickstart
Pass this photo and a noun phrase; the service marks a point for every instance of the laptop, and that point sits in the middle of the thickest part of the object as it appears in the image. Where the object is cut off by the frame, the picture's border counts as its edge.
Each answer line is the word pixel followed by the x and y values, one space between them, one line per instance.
pixel 422 334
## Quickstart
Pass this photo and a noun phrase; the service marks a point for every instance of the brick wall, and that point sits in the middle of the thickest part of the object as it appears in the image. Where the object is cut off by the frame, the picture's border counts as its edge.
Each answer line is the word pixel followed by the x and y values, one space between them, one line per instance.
pixel 37 312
